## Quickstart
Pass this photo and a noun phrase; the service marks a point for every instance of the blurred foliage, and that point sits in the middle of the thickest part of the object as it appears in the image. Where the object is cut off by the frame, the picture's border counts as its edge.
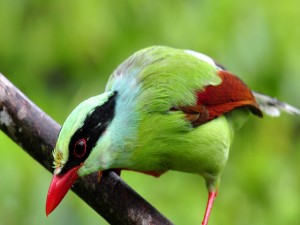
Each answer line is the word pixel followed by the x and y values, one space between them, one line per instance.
pixel 61 52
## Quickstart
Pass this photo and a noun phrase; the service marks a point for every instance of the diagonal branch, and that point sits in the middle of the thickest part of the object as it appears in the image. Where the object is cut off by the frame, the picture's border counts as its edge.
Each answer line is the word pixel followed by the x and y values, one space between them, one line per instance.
pixel 36 133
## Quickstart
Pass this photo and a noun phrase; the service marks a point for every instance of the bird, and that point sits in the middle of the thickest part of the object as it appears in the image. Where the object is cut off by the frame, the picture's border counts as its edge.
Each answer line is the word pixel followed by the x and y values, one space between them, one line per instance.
pixel 162 109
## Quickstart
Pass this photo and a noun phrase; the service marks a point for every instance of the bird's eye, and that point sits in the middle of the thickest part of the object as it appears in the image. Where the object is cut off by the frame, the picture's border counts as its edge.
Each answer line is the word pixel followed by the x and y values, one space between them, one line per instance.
pixel 80 148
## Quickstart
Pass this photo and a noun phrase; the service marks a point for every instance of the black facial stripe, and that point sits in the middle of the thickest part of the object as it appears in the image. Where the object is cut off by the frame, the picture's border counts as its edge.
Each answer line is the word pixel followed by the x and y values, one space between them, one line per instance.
pixel 94 125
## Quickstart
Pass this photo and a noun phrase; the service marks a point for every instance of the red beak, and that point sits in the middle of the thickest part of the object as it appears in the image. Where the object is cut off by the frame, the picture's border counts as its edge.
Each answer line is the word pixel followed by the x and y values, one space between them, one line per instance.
pixel 59 187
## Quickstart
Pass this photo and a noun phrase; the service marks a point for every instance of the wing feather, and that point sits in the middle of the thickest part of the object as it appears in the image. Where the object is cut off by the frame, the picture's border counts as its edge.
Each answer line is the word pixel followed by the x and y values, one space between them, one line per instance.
pixel 215 101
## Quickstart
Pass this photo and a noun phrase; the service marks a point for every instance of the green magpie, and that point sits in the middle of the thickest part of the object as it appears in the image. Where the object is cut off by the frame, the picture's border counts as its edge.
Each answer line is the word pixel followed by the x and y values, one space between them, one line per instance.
pixel 162 109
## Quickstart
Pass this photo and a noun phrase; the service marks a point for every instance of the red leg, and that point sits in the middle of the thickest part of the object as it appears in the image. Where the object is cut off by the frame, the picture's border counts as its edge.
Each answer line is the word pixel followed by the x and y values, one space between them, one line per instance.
pixel 100 173
pixel 211 197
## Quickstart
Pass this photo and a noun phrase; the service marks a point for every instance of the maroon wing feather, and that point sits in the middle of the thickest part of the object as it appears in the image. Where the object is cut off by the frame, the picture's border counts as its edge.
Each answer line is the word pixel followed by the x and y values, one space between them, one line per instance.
pixel 215 101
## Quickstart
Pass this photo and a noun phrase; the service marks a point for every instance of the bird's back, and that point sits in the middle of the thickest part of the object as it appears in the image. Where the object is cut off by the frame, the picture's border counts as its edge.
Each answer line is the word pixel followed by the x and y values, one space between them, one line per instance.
pixel 161 77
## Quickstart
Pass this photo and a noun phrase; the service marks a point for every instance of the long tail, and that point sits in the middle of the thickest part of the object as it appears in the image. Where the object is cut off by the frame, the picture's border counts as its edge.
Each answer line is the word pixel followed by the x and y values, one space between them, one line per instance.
pixel 273 107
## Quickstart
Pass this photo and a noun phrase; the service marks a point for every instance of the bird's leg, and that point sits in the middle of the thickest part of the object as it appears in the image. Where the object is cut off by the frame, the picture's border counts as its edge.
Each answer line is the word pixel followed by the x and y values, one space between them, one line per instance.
pixel 100 173
pixel 211 197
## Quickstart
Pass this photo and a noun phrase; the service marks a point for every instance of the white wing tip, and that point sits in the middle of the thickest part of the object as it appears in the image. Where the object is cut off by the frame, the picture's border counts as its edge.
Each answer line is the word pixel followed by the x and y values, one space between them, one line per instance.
pixel 273 107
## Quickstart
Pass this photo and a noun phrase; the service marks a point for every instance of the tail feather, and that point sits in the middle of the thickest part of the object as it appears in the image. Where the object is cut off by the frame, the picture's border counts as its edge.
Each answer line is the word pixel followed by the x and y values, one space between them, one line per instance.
pixel 273 107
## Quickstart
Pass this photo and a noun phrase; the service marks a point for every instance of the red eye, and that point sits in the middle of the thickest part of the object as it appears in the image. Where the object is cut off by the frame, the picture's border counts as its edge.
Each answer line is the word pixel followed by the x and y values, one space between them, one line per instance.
pixel 80 148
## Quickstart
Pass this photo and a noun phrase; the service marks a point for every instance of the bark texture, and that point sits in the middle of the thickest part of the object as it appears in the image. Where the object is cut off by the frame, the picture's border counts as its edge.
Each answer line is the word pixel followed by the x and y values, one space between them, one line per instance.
pixel 35 132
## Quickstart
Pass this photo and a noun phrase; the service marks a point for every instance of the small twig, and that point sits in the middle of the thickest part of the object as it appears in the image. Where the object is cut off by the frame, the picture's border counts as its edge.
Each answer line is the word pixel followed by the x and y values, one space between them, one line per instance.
pixel 36 133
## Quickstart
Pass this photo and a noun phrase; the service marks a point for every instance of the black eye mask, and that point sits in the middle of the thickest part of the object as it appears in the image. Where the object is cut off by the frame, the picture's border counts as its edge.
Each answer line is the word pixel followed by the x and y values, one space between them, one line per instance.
pixel 85 138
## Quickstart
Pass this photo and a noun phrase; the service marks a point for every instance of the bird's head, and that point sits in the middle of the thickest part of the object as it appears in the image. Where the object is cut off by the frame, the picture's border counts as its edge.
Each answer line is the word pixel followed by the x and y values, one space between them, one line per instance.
pixel 81 145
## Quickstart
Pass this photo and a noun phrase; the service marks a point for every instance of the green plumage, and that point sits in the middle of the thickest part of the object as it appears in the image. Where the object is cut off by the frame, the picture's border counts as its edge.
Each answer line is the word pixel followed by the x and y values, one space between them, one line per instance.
pixel 163 109
pixel 144 134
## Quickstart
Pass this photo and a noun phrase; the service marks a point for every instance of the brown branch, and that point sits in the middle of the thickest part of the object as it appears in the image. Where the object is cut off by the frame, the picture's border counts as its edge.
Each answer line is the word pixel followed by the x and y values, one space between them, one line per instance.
pixel 36 133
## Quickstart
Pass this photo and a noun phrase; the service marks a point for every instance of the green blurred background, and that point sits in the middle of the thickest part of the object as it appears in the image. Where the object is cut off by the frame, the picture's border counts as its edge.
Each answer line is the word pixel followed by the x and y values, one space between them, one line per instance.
pixel 61 52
